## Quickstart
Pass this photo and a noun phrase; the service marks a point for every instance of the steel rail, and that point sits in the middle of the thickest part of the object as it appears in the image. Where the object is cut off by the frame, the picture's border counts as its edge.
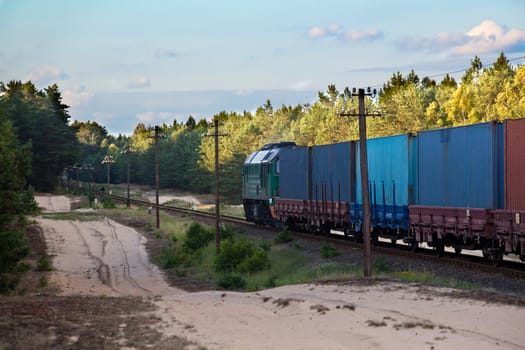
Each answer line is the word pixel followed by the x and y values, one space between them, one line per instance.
pixel 507 268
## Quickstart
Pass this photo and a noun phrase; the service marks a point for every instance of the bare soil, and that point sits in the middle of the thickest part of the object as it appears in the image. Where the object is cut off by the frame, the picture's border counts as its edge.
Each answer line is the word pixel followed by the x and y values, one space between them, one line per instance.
pixel 39 316
pixel 55 310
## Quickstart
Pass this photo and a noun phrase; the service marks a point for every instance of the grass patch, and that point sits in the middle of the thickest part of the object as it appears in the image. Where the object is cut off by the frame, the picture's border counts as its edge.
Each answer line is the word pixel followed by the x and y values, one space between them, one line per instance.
pixel 44 264
pixel 233 210
pixel 74 216
pixel 179 204
pixel 283 237
pixel 42 282
pixel 430 279
pixel 328 250
pixel 230 210
pixel 231 281
pixel 381 267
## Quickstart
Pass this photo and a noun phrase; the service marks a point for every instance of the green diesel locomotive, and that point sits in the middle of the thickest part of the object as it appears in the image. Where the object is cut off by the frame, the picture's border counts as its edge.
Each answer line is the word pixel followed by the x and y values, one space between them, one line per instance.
pixel 260 185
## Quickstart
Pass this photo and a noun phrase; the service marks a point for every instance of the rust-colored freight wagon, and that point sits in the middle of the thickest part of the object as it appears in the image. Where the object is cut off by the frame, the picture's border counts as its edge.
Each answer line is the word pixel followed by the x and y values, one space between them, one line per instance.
pixel 515 164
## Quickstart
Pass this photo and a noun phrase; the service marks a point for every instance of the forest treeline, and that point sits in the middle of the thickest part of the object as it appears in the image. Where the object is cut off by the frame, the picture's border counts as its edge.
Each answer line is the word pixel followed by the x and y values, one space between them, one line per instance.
pixel 407 103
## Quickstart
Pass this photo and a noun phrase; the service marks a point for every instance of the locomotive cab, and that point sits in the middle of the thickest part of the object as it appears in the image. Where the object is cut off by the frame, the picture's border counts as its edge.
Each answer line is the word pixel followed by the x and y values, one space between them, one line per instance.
pixel 260 183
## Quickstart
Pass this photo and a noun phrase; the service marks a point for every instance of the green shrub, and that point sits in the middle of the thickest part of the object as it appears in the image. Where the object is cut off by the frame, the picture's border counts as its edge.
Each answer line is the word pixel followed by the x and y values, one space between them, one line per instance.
pixel 328 250
pixel 13 249
pixel 108 203
pixel 171 257
pixel 197 236
pixel 91 198
pixel 241 255
pixel 181 273
pixel 283 237
pixel 265 245
pixel 226 232
pixel 232 253
pixel 271 282
pixel 380 265
pixel 44 264
pixel 231 281
pixel 257 261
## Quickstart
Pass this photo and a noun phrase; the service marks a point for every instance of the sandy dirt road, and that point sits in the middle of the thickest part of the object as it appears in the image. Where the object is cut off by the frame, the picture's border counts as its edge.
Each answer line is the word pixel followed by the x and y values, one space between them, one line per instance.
pixel 104 258
pixel 381 316
pixel 101 258
pixel 54 203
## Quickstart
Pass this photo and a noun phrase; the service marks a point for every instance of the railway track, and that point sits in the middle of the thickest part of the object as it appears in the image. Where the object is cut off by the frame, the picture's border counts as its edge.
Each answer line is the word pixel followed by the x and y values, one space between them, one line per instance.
pixel 475 263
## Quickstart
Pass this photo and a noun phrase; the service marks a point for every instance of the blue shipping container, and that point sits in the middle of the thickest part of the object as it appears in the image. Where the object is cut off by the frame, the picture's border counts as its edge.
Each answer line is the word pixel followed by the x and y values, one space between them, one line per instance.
pixel 333 172
pixel 392 176
pixel 461 167
pixel 293 171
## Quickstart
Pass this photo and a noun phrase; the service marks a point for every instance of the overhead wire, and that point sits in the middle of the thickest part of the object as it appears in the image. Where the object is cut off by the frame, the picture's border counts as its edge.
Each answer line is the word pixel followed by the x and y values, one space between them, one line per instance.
pixel 460 70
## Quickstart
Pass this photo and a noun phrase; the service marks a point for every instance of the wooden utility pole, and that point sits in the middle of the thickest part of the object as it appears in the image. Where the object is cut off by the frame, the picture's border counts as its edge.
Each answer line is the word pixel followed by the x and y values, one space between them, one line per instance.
pixel 89 167
pixel 156 136
pixel 127 151
pixel 365 226
pixel 157 174
pixel 108 160
pixel 216 135
pixel 217 197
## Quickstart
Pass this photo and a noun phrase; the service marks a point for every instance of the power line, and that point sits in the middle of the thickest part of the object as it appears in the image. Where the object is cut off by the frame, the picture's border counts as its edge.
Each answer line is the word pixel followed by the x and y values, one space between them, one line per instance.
pixel 460 70
pixel 483 66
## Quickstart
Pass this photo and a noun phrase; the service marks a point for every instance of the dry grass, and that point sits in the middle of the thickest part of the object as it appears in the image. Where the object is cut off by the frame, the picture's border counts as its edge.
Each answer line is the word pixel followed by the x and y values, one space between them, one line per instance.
pixel 319 308
pixel 284 302
pixel 376 323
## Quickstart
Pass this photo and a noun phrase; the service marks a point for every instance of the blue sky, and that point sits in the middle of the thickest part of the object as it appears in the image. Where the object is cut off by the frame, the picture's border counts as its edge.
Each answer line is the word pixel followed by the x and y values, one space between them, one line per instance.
pixel 120 62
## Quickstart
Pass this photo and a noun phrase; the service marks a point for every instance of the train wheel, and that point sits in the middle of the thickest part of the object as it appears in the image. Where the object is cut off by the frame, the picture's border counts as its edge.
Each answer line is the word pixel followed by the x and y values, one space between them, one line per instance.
pixel 494 255
pixel 374 238
pixel 440 248
pixel 414 245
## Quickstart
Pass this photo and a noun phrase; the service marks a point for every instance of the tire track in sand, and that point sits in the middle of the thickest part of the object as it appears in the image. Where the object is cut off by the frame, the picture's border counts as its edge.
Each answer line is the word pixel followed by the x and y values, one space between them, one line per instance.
pixel 124 255
pixel 103 270
pixel 102 257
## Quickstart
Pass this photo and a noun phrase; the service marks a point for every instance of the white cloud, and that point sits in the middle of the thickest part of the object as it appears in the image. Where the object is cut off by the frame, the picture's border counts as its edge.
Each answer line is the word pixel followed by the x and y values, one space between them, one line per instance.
pixel 139 82
pixel 46 74
pixel 486 37
pixel 304 84
pixel 316 32
pixel 76 96
pixel 490 37
pixel 335 30
pixel 360 35
pixel 149 117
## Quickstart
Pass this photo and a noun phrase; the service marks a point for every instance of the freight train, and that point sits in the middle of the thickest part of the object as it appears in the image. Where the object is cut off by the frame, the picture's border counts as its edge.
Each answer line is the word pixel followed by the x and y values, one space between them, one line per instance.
pixel 460 187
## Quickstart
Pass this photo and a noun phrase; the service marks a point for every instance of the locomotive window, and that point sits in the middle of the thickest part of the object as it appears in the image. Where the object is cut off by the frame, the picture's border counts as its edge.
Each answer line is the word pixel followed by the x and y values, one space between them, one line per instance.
pixel 264 175
pixel 277 166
